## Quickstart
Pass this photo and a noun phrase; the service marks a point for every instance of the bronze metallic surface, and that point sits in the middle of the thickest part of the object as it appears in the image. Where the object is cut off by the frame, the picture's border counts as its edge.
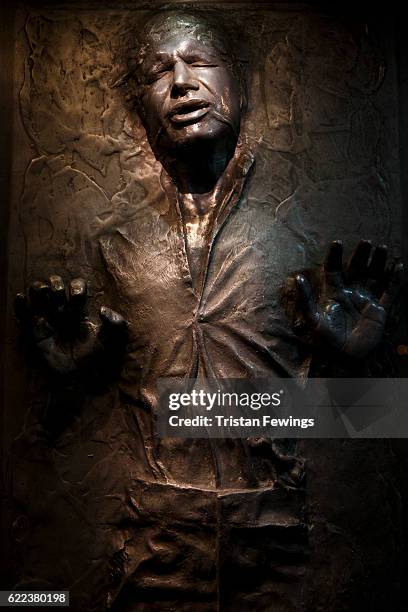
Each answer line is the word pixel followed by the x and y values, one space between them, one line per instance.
pixel 181 176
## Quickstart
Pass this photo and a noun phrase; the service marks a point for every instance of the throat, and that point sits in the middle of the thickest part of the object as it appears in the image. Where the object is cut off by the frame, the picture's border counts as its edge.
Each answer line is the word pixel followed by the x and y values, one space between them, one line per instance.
pixel 197 168
pixel 198 213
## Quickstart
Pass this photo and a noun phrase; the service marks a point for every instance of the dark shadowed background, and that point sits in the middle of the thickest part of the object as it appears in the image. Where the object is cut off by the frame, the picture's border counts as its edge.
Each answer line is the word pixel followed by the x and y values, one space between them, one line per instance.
pixel 328 86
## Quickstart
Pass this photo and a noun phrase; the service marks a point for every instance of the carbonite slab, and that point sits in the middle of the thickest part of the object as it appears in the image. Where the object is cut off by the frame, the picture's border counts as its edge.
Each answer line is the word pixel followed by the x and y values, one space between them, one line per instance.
pixel 94 513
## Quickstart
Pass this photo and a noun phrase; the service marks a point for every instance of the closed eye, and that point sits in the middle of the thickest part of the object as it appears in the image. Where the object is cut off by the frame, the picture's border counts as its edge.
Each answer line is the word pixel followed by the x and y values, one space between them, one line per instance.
pixel 157 72
pixel 203 65
pixel 200 61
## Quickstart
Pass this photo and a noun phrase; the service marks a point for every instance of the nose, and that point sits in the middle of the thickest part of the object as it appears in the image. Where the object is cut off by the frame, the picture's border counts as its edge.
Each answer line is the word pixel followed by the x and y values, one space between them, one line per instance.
pixel 183 79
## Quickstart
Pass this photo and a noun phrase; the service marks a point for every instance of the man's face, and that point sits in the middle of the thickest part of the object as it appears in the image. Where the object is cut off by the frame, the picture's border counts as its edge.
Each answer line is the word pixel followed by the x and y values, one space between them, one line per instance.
pixel 188 93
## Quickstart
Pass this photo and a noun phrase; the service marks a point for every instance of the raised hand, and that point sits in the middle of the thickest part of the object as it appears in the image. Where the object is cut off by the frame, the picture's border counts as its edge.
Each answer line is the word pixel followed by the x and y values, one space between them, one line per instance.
pixel 350 310
pixel 58 324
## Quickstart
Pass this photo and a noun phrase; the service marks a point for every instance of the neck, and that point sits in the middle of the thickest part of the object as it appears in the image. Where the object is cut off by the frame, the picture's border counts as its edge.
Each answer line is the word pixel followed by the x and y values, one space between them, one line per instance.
pixel 196 169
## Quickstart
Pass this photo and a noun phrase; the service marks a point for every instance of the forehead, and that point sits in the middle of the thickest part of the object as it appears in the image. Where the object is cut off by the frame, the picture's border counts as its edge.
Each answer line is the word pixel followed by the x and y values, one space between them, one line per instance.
pixel 168 32
pixel 181 42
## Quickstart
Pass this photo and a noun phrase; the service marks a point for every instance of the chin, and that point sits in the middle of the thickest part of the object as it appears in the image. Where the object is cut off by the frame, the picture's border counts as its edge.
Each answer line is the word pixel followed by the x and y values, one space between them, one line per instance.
pixel 198 133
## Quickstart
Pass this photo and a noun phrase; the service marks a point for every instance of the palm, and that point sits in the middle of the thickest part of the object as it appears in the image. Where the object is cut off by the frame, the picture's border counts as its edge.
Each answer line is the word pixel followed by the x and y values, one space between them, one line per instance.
pixel 350 313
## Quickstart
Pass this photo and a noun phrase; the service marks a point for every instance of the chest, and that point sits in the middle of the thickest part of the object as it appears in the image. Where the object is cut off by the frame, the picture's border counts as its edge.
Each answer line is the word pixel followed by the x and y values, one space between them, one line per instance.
pixel 158 259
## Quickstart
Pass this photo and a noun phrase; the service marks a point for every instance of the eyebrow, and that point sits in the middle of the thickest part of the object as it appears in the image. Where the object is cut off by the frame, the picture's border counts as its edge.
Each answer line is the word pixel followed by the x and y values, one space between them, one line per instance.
pixel 165 54
pixel 162 57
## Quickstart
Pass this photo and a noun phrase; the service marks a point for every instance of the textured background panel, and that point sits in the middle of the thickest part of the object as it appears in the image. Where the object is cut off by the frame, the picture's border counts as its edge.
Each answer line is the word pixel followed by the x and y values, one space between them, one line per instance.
pixel 322 120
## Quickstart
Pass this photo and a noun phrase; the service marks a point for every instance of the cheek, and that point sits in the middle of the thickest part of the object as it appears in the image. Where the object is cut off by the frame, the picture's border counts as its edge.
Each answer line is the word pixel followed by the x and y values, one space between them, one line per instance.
pixel 229 92
pixel 153 103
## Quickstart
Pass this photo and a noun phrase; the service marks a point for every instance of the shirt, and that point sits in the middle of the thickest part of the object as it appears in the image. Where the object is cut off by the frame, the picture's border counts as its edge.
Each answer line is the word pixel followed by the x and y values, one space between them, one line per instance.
pixel 229 323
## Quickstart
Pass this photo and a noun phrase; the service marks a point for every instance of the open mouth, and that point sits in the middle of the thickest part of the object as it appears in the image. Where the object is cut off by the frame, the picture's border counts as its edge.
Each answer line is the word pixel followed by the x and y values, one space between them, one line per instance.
pixel 189 111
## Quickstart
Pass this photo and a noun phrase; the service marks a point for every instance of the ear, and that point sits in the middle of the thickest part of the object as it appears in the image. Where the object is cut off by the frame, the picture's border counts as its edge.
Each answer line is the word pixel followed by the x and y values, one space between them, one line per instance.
pixel 243 102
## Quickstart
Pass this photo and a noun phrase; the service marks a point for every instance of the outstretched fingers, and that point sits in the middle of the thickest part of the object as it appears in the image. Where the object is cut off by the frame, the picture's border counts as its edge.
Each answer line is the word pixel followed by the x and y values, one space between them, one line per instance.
pixel 42 299
pixel 333 265
pixel 376 268
pixel 113 323
pixel 306 301
pixel 21 308
pixel 358 265
pixel 396 277
pixel 47 305
pixel 58 292
pixel 78 291
pixel 31 313
pixel 39 296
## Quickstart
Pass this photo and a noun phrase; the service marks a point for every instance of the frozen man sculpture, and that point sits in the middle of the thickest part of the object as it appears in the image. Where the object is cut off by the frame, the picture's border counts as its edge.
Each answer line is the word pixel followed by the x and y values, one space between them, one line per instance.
pixel 197 279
